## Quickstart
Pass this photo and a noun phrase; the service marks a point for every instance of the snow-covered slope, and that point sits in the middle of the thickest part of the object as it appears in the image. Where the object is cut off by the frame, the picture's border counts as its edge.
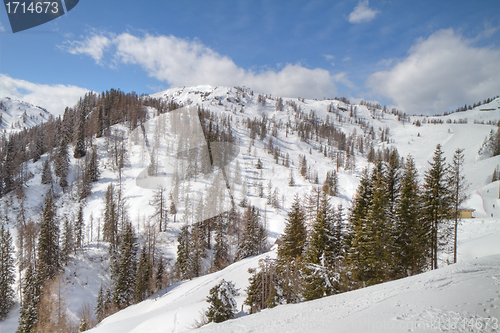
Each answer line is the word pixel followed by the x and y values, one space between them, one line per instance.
pixel 177 309
pixel 16 115
pixel 458 298
pixel 469 289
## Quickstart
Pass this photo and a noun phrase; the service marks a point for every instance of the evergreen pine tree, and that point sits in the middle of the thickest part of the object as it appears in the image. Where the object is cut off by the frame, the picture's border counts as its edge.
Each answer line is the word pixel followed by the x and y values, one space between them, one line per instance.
pixel 319 276
pixel 79 228
pixel 48 251
pixel 62 163
pixel 80 149
pixel 110 226
pixel 183 250
pixel 46 173
pixel 437 204
pixel 172 208
pixel 143 276
pixel 160 270
pixel 253 240
pixel 31 300
pixel 68 244
pixel 7 276
pixel 39 145
pixel 294 236
pixel 222 302
pixel 291 181
pixel 290 254
pixel 197 249
pixel 221 248
pixel 261 292
pixel 410 243
pixel 92 167
pixel 358 221
pixel 123 293
pixel 376 234
pixel 100 308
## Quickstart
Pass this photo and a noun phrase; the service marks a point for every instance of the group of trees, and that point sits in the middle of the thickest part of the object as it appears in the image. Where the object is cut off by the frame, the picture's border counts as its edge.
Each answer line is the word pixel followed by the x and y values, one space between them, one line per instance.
pixel 237 236
pixel 396 228
pixel 136 274
pixel 398 225
pixel 309 262
pixel 92 116
pixel 42 305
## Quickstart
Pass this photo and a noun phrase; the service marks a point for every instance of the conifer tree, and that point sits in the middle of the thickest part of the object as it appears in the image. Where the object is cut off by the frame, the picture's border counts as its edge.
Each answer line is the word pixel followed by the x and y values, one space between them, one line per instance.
pixel 143 276
pixel 172 208
pixel 39 146
pixel 110 226
pixel 319 277
pixel 290 254
pixel 183 249
pixel 392 179
pixel 62 163
pixel 92 167
pixel 79 228
pixel 253 239
pixel 80 149
pixel 294 235
pixel 46 173
pixel 437 204
pixel 48 252
pixel 197 250
pixel 359 224
pixel 221 248
pixel 160 270
pixel 262 292
pixel 222 302
pixel 291 181
pixel 31 300
pixel 330 185
pixel 123 293
pixel 410 247
pixel 100 308
pixel 376 243
pixel 7 276
pixel 68 244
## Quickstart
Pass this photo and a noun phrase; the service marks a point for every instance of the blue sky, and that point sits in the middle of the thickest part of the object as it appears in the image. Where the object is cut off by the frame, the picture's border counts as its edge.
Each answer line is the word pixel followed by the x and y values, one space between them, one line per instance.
pixel 420 56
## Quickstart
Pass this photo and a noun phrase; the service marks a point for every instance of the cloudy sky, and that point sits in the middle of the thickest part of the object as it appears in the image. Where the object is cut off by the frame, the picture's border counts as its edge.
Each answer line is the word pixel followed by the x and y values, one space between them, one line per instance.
pixel 420 56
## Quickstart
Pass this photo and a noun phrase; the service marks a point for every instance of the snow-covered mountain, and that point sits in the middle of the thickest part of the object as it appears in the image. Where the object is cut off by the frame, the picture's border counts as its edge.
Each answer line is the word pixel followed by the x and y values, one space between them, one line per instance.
pixel 16 115
pixel 176 307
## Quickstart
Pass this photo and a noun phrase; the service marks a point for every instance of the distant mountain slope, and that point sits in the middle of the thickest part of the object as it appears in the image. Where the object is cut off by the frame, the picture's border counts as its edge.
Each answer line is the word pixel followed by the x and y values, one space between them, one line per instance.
pixel 17 115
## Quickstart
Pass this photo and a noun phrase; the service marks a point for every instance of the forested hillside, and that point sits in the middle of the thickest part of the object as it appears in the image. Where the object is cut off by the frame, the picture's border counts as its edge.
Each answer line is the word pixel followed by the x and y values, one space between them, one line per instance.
pixel 126 197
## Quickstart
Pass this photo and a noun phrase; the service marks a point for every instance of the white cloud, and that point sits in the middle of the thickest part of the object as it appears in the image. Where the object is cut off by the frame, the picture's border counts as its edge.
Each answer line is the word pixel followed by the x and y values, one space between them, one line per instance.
pixel 362 13
pixel 183 62
pixel 440 73
pixel 93 46
pixel 54 98
pixel 328 57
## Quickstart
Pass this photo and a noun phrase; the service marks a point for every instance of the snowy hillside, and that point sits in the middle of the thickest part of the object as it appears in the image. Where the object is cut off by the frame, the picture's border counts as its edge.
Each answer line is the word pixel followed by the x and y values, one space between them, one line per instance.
pixel 457 298
pixel 364 126
pixel 469 289
pixel 16 115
